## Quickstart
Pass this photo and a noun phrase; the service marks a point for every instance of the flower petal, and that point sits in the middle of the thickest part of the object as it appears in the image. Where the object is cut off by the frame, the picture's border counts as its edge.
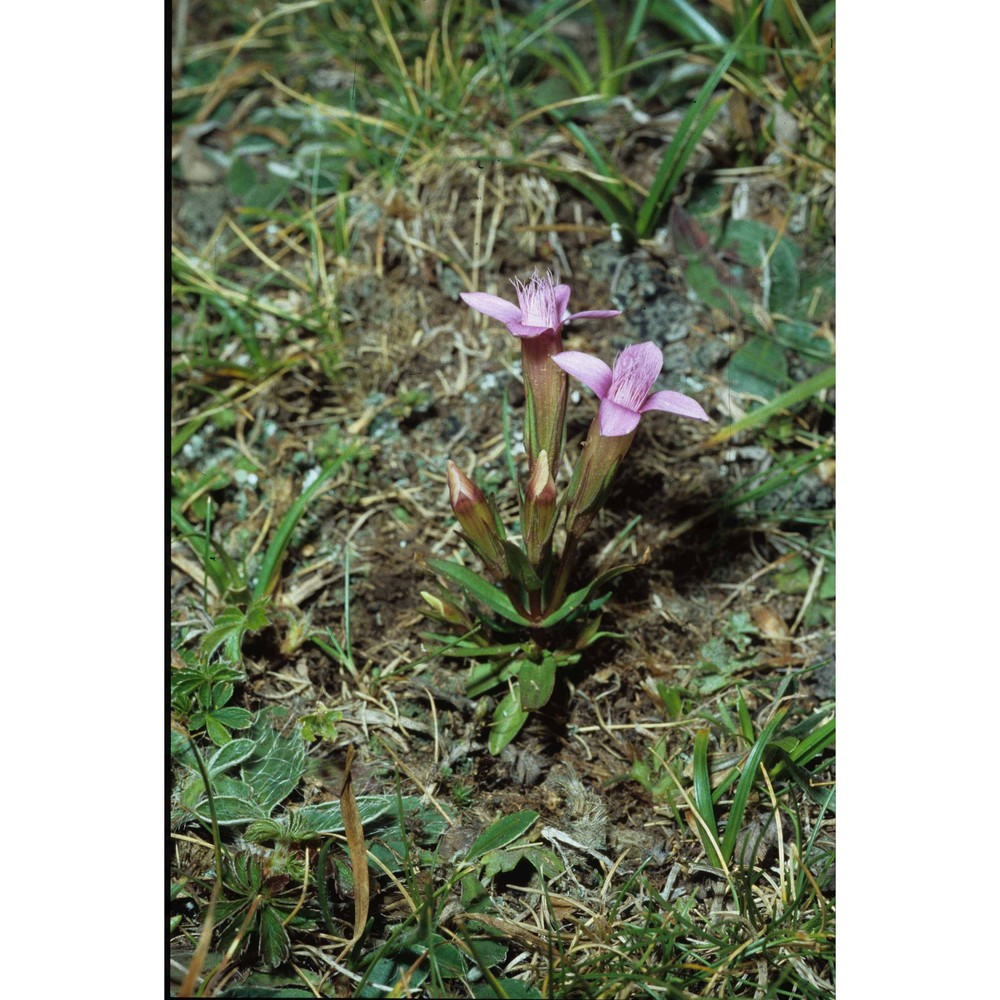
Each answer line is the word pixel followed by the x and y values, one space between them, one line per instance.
pixel 492 305
pixel 524 330
pixel 591 371
pixel 562 299
pixel 616 420
pixel 594 314
pixel 641 363
pixel 674 402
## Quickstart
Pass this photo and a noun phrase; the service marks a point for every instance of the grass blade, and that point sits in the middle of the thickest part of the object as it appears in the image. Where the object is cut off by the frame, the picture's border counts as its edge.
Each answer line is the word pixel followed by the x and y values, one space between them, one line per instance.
pixel 742 795
pixel 789 398
pixel 703 799
pixel 267 579
pixel 697 119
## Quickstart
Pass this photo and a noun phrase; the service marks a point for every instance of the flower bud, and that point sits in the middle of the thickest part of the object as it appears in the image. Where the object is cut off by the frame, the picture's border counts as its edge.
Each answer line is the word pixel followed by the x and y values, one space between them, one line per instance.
pixel 540 505
pixel 475 514
pixel 444 610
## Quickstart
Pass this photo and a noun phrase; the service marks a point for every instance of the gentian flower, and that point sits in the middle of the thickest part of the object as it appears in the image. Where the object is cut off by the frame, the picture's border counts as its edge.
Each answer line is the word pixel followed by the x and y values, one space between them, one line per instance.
pixel 542 307
pixel 537 320
pixel 624 390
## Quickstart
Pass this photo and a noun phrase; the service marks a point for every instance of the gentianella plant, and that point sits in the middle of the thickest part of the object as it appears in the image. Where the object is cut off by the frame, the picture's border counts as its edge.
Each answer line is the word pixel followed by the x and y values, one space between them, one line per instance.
pixel 518 621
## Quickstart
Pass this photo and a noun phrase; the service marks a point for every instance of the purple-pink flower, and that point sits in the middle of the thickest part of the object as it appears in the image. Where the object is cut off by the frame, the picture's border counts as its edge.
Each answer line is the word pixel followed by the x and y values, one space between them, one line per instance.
pixel 542 307
pixel 624 390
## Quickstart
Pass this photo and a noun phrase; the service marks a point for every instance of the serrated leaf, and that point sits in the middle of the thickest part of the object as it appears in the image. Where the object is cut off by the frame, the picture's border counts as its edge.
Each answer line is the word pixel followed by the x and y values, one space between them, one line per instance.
pixel 479 589
pixel 535 682
pixel 274 943
pixel 502 832
pixel 507 722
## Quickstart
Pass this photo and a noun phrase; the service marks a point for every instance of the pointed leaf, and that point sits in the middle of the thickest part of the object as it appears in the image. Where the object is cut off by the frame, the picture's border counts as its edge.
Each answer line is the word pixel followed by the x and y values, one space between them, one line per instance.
pixel 520 568
pixel 578 597
pixel 501 833
pixel 481 590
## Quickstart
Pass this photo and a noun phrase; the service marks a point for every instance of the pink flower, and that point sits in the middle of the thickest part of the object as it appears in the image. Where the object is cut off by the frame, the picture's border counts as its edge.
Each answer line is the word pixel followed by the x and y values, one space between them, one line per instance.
pixel 624 390
pixel 541 307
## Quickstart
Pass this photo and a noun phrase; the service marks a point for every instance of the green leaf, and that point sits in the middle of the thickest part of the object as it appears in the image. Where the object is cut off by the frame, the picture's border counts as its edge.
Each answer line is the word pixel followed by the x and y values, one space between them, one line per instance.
pixel 520 568
pixel 326 818
pixel 512 988
pixel 274 943
pixel 231 811
pixel 804 390
pixel 234 752
pixel 535 682
pixel 703 798
pixel 507 859
pixel 502 832
pixel 217 732
pixel 233 717
pixel 482 591
pixel 747 778
pixel 758 368
pixel 267 578
pixel 760 247
pixel 571 603
pixel 484 677
pixel 507 721
pixel 277 764
pixel 266 992
pixel 698 117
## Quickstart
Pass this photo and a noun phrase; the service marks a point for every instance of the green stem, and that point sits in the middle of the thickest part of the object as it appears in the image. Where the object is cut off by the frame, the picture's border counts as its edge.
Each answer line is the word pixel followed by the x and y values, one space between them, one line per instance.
pixel 566 564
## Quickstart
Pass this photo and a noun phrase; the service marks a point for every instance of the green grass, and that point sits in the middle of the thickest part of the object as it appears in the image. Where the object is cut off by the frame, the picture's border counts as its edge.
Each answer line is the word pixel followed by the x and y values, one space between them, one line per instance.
pixel 337 127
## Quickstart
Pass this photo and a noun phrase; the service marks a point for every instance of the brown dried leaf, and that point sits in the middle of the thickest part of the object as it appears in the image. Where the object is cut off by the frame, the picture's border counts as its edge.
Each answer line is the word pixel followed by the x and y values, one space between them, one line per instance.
pixel 356 848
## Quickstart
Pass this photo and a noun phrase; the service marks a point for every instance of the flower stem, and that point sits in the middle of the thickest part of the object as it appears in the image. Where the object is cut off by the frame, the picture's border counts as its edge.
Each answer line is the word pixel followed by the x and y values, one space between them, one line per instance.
pixel 566 564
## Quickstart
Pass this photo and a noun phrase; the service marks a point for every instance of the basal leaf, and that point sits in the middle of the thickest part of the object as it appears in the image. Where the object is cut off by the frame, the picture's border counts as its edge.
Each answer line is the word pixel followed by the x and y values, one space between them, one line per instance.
pixel 484 677
pixel 507 722
pixel 535 681
pixel 234 752
pixel 278 761
pixel 479 589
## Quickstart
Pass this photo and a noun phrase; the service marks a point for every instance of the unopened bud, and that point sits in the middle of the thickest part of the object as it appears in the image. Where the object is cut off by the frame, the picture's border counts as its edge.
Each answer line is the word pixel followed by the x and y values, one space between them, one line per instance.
pixel 540 505
pixel 444 610
pixel 475 515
